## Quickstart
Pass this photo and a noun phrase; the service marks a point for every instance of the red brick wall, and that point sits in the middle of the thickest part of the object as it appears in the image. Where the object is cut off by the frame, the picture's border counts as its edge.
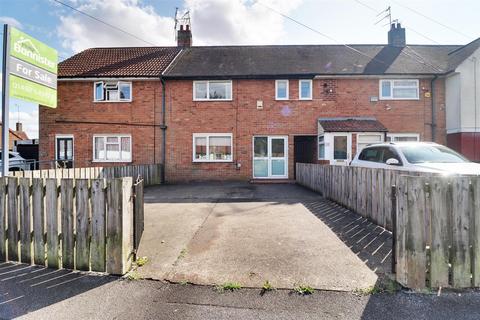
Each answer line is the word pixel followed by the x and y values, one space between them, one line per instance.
pixel 350 97
pixel 466 143
pixel 78 115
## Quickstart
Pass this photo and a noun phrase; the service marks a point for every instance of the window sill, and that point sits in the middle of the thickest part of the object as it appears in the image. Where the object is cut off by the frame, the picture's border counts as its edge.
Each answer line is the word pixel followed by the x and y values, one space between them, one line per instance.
pixel 305 99
pixel 212 100
pixel 212 161
pixel 113 101
pixel 277 99
pixel 113 161
pixel 399 99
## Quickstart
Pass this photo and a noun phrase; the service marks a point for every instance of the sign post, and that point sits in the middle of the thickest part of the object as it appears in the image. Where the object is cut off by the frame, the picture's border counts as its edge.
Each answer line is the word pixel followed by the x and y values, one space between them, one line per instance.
pixel 5 100
pixel 29 73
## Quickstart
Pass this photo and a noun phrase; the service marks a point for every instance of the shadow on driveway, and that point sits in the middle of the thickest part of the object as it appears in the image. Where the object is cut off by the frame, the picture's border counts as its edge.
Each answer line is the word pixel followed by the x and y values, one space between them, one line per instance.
pixel 25 288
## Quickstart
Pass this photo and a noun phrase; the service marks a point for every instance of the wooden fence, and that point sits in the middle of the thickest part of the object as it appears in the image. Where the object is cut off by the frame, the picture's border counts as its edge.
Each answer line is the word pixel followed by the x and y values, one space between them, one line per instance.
pixel 435 219
pixel 150 173
pixel 82 224
pixel 363 190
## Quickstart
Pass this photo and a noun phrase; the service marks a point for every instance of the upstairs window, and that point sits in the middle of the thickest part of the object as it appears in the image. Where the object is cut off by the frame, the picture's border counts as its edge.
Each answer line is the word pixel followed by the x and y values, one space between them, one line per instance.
pixel 399 89
pixel 113 91
pixel 305 89
pixel 212 90
pixel 281 89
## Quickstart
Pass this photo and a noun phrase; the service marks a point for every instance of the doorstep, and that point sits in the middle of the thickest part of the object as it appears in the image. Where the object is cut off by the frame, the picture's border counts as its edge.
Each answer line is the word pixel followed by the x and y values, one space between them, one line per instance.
pixel 272 181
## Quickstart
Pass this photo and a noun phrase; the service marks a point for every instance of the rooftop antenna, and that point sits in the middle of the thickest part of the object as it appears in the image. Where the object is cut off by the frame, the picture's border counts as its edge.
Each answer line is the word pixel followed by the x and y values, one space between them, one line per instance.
pixel 183 20
pixel 386 14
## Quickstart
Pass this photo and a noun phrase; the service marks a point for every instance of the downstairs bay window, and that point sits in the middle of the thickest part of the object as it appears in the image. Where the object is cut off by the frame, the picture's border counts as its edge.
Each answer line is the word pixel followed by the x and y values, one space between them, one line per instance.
pixel 112 148
pixel 212 147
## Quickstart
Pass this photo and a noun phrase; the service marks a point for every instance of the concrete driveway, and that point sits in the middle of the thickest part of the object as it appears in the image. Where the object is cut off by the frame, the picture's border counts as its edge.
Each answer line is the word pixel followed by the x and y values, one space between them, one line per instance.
pixel 212 233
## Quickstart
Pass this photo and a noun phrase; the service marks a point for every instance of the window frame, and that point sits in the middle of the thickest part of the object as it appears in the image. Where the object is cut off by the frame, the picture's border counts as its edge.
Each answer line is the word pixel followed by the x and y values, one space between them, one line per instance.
pixel 391 97
pixel 390 135
pixel 300 89
pixel 318 147
pixel 287 90
pixel 207 136
pixel 116 135
pixel 104 96
pixel 208 90
pixel 381 134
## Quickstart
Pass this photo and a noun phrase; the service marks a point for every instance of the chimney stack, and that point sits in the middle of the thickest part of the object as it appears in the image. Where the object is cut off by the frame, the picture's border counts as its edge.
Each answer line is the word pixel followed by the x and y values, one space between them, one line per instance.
pixel 19 127
pixel 184 36
pixel 396 35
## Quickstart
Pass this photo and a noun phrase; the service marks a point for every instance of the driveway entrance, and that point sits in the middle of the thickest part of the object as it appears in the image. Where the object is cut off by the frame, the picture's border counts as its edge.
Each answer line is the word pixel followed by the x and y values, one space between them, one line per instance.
pixel 212 233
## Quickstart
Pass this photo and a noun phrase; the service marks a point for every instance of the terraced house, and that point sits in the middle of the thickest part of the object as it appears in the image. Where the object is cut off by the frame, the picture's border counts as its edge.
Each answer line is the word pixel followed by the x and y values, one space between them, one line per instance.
pixel 252 112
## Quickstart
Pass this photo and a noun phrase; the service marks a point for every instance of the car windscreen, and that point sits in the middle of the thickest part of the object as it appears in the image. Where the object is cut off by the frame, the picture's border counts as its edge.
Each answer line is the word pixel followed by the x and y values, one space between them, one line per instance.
pixel 432 154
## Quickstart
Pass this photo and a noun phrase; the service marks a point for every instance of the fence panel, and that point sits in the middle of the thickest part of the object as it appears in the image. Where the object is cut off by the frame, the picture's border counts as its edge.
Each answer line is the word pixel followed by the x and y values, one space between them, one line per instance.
pixel 82 231
pixel 3 219
pixel 38 214
pixel 139 213
pixel 25 221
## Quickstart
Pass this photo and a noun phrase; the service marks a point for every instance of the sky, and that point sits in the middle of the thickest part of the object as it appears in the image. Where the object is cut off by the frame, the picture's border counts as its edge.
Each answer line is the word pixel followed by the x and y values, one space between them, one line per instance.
pixel 231 22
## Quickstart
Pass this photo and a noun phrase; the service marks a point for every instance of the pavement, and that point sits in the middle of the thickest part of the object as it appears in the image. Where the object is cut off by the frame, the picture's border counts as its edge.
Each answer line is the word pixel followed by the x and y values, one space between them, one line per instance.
pixel 213 233
pixel 39 293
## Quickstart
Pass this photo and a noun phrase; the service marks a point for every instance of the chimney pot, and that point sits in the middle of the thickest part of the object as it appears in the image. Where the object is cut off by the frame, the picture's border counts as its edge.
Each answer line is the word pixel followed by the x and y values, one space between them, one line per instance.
pixel 181 27
pixel 19 126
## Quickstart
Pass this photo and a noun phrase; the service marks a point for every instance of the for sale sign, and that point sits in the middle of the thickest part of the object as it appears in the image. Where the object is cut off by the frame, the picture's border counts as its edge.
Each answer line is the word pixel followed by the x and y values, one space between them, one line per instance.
pixel 33 69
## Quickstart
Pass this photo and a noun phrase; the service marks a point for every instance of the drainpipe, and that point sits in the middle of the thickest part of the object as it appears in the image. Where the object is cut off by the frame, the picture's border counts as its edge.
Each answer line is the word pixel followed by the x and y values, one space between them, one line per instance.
pixel 164 130
pixel 434 119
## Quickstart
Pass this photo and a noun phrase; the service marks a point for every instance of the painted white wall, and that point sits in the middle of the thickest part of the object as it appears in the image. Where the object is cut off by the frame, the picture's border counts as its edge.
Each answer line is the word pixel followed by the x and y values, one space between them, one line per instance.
pixel 452 97
pixel 462 113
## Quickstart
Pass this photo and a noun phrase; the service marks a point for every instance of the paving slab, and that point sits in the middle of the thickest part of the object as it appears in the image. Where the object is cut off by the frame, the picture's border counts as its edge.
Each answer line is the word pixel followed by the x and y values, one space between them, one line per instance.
pixel 215 233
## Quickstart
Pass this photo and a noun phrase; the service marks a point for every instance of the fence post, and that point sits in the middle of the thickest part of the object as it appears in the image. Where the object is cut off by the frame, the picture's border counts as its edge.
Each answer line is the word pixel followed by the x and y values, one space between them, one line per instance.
pixel 394 228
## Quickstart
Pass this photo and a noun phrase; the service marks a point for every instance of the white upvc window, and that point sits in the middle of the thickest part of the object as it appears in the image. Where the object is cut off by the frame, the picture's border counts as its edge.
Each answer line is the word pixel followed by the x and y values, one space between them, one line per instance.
pixel 212 147
pixel 321 147
pixel 402 137
pixel 112 148
pixel 399 89
pixel 281 89
pixel 212 90
pixel 305 89
pixel 365 139
pixel 112 91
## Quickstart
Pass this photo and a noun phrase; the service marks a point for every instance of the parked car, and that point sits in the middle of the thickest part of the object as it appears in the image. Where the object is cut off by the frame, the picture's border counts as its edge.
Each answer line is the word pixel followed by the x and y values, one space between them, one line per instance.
pixel 415 156
pixel 15 162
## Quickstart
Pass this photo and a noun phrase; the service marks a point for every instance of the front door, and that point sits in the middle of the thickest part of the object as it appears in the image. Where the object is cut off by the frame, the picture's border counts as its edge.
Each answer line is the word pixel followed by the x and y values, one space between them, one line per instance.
pixel 342 146
pixel 270 157
pixel 64 153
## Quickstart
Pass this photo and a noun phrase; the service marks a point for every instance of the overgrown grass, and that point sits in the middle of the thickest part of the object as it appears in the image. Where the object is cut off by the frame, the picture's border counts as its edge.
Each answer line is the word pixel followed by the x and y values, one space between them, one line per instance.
pixel 229 286
pixel 267 286
pixel 386 286
pixel 141 261
pixel 303 289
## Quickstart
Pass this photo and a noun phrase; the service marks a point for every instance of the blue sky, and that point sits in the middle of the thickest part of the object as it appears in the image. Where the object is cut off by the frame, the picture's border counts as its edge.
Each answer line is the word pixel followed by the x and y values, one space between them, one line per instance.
pixel 218 22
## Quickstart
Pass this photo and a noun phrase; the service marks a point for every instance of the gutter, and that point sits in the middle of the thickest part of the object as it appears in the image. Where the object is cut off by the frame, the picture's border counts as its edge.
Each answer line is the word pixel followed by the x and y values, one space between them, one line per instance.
pixel 434 109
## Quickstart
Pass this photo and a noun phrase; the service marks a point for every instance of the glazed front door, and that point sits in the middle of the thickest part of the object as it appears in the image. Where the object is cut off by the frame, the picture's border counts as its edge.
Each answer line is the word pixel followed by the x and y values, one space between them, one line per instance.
pixel 270 157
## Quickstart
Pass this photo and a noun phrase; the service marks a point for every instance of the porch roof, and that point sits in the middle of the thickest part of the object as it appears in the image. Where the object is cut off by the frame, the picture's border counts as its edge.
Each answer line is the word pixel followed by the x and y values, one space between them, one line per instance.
pixel 351 124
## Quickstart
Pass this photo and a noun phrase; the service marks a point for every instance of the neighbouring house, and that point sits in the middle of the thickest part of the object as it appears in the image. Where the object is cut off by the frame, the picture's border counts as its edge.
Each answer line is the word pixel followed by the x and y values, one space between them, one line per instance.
pixel 244 112
pixel 15 135
pixel 463 100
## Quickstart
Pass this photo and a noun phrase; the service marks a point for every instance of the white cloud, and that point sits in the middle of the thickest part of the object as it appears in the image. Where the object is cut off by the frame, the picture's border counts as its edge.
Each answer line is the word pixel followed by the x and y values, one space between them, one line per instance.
pixel 214 22
pixel 219 22
pixel 28 119
pixel 11 21
pixel 79 32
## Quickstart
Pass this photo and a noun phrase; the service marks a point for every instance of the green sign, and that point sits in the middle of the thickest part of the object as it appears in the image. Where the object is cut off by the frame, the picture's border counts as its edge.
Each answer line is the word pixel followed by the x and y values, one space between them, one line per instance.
pixel 33 92
pixel 33 69
pixel 28 49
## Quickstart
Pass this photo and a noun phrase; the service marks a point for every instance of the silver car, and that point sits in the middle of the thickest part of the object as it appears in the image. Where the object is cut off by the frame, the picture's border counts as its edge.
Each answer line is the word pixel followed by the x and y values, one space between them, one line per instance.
pixel 415 156
pixel 15 162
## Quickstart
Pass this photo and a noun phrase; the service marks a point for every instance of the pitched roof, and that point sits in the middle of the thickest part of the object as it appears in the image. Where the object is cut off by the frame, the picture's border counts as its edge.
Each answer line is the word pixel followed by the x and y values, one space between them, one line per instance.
pixel 456 57
pixel 118 62
pixel 309 60
pixel 353 124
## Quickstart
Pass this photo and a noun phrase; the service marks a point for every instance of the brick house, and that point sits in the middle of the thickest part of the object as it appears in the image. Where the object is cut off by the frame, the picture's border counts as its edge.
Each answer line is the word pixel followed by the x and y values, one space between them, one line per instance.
pixel 244 112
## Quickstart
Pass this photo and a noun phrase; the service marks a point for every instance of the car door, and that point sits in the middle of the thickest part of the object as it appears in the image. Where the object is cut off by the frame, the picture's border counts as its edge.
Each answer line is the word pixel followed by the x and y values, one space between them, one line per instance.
pixel 370 157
